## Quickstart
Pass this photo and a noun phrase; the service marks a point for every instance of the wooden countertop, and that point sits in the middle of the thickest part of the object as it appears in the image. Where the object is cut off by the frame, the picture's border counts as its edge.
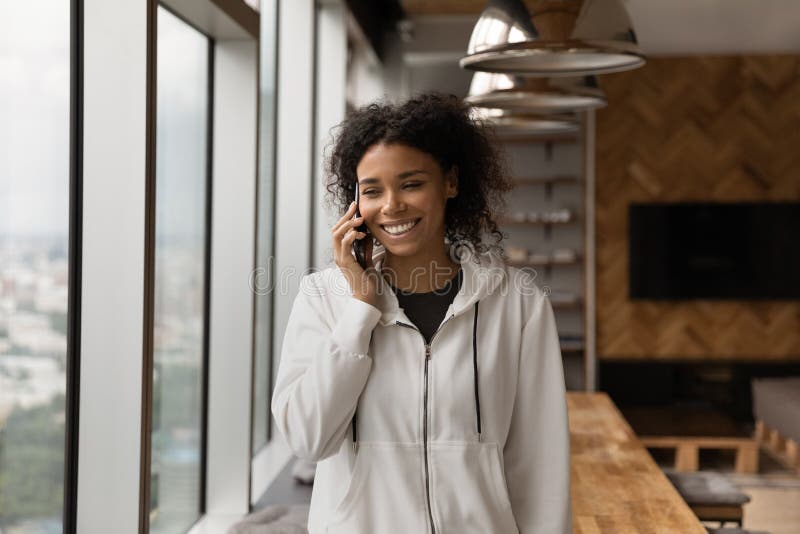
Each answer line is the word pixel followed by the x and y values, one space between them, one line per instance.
pixel 616 486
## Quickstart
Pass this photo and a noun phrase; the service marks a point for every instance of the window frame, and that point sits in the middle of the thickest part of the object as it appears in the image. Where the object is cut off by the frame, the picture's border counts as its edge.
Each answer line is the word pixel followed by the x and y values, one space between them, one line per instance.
pixel 72 401
pixel 74 277
pixel 265 212
pixel 116 158
pixel 295 204
pixel 149 356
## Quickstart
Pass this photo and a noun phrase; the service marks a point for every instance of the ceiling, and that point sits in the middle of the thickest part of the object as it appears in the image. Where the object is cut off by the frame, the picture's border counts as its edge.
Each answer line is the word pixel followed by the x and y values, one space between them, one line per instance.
pixel 443 7
pixel 676 26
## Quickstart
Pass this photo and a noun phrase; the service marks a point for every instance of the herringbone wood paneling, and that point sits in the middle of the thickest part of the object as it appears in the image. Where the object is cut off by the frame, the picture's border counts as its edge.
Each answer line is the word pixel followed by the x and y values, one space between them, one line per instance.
pixel 694 129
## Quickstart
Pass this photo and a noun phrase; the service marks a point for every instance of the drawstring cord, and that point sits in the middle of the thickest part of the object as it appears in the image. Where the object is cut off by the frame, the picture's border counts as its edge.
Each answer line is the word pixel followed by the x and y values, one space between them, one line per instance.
pixel 474 374
pixel 475 369
pixel 355 413
pixel 355 424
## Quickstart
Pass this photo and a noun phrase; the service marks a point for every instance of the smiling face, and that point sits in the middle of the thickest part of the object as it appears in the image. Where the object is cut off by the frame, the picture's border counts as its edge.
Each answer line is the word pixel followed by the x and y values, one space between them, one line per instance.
pixel 403 196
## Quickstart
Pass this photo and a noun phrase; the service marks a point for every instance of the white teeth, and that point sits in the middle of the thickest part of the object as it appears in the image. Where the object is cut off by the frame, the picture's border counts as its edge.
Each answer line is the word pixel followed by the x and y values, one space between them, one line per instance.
pixel 400 228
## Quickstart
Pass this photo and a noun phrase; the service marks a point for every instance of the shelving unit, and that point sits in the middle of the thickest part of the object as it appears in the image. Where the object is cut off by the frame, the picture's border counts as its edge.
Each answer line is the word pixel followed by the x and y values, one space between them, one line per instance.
pixel 546 179
pixel 572 345
pixel 510 222
pixel 577 261
pixel 539 139
pixel 567 305
pixel 551 174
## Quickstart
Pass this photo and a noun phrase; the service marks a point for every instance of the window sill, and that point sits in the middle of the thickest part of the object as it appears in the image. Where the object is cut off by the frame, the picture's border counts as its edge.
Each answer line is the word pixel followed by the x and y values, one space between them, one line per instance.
pixel 214 523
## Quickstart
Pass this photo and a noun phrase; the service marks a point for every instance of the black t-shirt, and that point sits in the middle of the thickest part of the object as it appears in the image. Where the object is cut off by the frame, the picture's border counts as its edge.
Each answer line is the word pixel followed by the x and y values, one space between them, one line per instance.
pixel 426 310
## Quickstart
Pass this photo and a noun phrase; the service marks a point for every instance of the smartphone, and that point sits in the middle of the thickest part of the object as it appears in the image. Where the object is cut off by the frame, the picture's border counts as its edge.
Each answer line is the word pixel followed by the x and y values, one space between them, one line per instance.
pixel 360 245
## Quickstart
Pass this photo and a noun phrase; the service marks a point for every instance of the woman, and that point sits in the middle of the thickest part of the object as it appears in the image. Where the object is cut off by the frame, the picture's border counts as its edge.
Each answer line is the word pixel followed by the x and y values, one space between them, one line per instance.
pixel 429 386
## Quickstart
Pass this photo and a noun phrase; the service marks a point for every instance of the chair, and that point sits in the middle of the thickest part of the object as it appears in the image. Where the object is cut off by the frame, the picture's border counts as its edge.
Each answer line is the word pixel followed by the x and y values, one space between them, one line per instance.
pixel 711 496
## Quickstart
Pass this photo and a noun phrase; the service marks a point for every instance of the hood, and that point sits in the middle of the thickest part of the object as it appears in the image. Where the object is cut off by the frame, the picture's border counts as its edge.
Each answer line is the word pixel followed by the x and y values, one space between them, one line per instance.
pixel 483 275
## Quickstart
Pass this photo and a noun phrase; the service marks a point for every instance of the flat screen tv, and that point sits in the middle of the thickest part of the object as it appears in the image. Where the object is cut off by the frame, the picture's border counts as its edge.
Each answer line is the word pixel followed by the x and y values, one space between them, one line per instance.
pixel 683 251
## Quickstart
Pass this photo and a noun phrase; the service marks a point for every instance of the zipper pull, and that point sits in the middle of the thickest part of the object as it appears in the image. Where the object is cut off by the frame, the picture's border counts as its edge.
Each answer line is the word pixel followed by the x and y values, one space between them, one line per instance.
pixel 427 352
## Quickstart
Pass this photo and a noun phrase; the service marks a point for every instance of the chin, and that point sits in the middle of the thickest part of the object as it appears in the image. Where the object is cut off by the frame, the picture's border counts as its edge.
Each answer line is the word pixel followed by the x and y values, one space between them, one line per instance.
pixel 405 249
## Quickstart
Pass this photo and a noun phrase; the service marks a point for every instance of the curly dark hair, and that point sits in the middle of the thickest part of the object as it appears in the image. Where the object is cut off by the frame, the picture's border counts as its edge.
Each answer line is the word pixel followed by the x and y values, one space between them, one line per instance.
pixel 441 126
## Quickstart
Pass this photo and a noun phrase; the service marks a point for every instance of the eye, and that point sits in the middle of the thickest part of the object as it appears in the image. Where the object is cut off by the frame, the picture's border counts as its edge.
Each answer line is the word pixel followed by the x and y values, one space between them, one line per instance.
pixel 369 192
pixel 412 185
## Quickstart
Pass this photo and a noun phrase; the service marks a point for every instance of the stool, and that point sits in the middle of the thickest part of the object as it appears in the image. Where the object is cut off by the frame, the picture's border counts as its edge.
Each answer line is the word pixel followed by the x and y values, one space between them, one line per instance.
pixel 733 531
pixel 687 447
pixel 710 496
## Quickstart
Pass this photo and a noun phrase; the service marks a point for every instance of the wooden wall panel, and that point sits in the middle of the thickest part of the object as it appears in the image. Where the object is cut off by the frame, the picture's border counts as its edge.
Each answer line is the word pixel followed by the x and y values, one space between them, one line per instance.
pixel 694 129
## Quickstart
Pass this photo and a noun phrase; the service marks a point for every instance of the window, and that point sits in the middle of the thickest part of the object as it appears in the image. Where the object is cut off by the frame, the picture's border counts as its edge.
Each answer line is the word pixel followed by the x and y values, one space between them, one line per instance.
pixel 181 272
pixel 34 261
pixel 266 216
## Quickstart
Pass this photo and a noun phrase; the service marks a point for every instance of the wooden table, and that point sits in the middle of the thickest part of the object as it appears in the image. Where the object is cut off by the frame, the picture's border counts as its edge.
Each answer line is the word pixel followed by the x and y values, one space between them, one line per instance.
pixel 616 486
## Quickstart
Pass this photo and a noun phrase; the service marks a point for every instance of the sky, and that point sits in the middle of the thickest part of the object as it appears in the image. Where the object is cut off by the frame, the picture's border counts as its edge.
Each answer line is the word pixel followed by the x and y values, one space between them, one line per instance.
pixel 34 121
pixel 34 116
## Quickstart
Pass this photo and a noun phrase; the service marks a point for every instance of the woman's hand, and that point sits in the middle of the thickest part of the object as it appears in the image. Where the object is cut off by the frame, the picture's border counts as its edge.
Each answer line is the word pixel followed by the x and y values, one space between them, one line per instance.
pixel 364 283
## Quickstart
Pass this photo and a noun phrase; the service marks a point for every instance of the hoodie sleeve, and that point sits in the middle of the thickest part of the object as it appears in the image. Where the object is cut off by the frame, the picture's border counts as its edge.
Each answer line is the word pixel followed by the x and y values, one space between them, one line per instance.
pixel 323 369
pixel 536 452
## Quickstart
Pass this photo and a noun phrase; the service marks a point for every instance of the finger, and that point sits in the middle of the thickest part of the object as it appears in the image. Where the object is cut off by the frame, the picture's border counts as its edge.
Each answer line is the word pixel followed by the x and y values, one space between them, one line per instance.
pixel 344 248
pixel 347 216
pixel 339 234
pixel 346 252
pixel 350 237
pixel 345 242
pixel 347 225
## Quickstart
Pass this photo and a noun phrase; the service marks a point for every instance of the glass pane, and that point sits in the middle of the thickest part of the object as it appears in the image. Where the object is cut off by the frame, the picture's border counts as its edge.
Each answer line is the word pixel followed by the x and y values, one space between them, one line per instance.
pixel 180 274
pixel 34 230
pixel 266 179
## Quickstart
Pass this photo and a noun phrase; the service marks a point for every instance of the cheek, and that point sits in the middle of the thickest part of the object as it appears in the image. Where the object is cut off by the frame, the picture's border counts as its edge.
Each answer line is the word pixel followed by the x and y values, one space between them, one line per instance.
pixel 369 210
pixel 434 207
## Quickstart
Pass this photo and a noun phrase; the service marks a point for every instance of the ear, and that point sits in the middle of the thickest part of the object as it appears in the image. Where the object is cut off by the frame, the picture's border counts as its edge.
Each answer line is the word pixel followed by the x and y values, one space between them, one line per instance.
pixel 451 182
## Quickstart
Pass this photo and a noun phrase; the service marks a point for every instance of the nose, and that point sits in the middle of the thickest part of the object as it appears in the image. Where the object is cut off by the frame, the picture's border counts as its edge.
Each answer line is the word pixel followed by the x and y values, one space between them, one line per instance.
pixel 394 204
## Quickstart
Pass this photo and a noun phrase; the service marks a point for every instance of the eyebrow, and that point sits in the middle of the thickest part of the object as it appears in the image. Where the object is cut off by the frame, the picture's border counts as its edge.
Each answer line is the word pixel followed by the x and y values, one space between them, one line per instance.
pixel 401 176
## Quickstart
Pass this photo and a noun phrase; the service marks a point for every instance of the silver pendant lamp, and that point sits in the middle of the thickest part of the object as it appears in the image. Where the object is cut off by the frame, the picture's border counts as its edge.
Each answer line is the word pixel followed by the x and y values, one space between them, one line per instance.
pixel 511 124
pixel 538 95
pixel 559 38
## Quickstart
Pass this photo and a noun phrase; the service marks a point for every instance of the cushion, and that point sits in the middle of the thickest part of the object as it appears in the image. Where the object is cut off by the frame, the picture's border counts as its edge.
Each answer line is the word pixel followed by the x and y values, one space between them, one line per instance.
pixel 706 488
pixel 733 531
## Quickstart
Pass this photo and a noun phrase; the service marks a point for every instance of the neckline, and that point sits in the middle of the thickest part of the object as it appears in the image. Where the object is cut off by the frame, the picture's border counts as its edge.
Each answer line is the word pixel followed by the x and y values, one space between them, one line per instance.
pixel 449 285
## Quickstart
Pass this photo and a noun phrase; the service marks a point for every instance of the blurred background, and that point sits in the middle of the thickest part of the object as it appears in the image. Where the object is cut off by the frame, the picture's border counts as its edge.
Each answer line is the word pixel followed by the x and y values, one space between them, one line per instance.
pixel 161 196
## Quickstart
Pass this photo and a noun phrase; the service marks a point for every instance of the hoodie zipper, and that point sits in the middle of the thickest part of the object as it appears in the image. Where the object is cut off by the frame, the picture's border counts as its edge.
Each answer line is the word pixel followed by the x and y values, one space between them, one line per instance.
pixel 425 413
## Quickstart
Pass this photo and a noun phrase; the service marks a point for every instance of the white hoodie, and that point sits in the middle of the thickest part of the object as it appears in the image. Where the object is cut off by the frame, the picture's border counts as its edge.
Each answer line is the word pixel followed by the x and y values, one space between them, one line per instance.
pixel 396 433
